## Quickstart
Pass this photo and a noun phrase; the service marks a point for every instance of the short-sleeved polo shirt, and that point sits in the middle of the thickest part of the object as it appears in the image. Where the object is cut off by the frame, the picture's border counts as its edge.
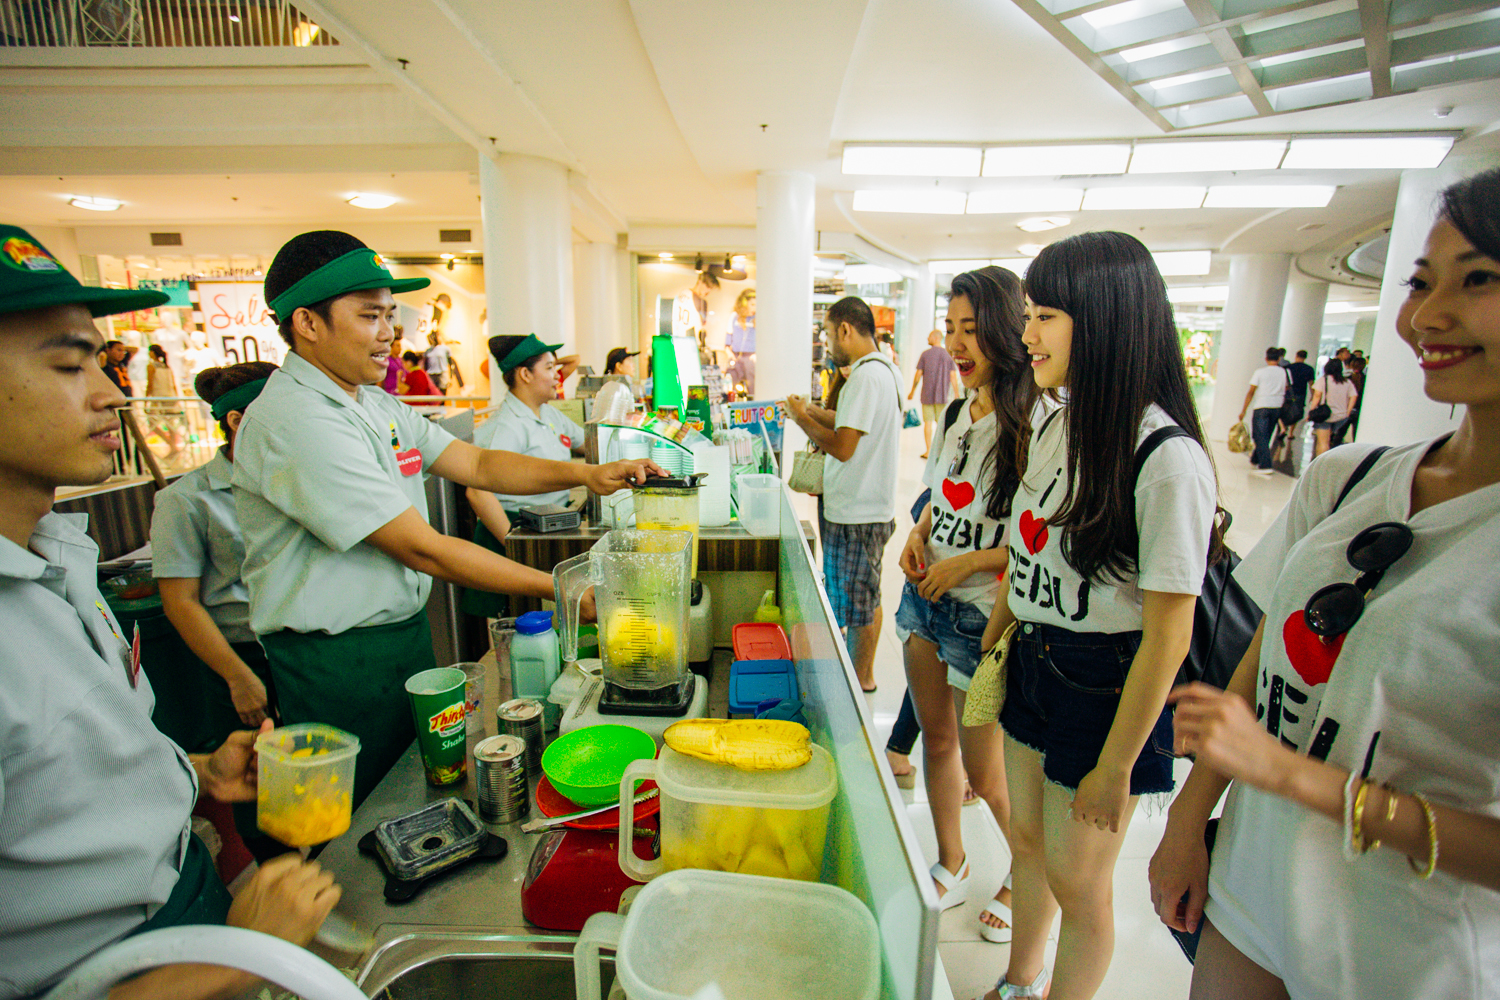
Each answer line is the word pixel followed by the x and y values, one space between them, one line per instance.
pixel 515 428
pixel 315 472
pixel 94 800
pixel 195 534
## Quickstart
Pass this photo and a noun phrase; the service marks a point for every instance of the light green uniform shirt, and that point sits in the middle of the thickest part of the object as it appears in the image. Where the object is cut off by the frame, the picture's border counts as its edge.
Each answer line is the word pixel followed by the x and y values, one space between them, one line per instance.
pixel 195 534
pixel 315 472
pixel 515 428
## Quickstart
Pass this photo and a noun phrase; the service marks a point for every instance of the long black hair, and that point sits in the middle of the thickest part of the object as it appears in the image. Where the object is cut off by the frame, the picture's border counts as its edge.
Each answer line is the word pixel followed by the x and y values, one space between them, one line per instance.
pixel 1125 356
pixel 1334 367
pixel 999 320
pixel 1473 206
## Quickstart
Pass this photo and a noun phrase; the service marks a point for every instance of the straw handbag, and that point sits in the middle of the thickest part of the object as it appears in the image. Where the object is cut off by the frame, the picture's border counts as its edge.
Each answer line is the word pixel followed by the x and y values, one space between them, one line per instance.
pixel 1239 439
pixel 987 689
pixel 807 471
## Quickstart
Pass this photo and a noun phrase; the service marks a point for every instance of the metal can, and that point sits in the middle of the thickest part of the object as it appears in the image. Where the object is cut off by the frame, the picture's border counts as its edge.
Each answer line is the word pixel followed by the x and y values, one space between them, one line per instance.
pixel 500 774
pixel 523 717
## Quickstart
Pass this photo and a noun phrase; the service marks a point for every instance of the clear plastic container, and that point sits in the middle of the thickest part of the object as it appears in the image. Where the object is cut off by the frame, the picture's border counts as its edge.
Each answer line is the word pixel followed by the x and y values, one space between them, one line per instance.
pixel 306 777
pixel 535 662
pixel 760 504
pixel 748 938
pixel 721 818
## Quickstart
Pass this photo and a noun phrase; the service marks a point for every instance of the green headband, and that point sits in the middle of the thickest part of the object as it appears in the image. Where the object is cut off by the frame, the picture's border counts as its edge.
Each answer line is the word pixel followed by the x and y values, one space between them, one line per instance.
pixel 528 348
pixel 237 398
pixel 356 271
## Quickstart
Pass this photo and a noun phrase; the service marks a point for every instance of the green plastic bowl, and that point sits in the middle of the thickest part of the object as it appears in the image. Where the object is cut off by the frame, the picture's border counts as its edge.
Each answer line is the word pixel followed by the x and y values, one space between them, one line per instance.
pixel 587 764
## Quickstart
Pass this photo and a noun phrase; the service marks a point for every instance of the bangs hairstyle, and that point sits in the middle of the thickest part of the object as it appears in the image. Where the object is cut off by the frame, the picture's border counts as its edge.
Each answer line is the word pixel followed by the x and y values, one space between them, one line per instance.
pixel 1473 207
pixel 999 320
pixel 1125 356
pixel 299 257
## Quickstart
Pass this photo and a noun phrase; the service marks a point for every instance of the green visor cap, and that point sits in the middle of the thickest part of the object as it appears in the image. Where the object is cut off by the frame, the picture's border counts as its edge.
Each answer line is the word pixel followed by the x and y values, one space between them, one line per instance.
pixel 528 348
pixel 356 271
pixel 31 278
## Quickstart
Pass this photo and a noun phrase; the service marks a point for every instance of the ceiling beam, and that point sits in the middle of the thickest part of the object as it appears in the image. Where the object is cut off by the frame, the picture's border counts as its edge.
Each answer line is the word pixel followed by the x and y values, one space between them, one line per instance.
pixel 1374 20
pixel 1229 50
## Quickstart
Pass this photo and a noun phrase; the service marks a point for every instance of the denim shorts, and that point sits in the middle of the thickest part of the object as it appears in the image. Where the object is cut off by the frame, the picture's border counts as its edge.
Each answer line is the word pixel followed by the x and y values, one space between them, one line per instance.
pixel 954 627
pixel 1062 691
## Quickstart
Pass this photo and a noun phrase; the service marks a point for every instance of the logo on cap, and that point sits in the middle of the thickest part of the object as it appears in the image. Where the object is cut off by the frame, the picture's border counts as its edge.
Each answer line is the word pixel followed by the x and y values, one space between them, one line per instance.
pixel 379 261
pixel 25 255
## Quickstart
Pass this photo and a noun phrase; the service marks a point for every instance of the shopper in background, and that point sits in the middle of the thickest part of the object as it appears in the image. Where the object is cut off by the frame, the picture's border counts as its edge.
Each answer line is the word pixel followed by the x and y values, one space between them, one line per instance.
pixel 953 561
pixel 1357 376
pixel 619 361
pixel 856 513
pixel 414 380
pixel 1392 745
pixel 938 378
pixel 741 342
pixel 1268 388
pixel 439 364
pixel 164 419
pixel 115 360
pixel 1105 568
pixel 1340 395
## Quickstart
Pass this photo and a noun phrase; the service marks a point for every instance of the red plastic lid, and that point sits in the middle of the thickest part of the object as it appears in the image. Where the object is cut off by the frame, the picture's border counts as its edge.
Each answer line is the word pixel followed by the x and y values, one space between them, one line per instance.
pixel 761 641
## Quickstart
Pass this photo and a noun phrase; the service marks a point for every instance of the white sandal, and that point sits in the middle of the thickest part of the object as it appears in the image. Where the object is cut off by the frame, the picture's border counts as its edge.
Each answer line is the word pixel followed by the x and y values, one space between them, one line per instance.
pixel 951 884
pixel 1037 988
pixel 995 908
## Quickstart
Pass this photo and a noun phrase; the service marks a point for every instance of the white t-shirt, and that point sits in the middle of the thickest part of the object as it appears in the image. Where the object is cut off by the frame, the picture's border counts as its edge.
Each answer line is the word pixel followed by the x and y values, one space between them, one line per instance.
pixel 1414 689
pixel 1271 384
pixel 863 489
pixel 1175 499
pixel 1338 395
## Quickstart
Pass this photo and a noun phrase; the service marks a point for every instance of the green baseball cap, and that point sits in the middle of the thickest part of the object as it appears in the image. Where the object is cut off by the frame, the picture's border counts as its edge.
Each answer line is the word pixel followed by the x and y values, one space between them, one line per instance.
pixel 31 278
pixel 355 271
pixel 529 346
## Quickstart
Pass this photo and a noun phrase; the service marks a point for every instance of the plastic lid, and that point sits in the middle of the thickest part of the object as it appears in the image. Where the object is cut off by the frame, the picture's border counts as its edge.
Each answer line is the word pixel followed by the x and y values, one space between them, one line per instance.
pixel 760 641
pixel 534 622
pixel 689 779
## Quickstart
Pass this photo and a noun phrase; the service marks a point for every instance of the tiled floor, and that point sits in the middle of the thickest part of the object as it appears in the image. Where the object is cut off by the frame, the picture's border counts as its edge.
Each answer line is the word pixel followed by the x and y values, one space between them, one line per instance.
pixel 1147 963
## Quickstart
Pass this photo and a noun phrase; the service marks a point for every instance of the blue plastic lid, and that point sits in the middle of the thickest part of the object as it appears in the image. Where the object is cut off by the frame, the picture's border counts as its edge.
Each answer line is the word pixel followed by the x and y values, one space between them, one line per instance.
pixel 747 692
pixel 534 623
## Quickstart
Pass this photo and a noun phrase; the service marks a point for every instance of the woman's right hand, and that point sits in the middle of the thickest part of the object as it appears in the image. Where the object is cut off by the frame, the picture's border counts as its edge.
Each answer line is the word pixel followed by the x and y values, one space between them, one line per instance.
pixel 1178 874
pixel 287 898
pixel 913 560
pixel 250 699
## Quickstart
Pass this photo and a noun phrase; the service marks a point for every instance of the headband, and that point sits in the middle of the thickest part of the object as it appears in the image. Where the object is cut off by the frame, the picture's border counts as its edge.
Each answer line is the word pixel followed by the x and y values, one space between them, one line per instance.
pixel 237 398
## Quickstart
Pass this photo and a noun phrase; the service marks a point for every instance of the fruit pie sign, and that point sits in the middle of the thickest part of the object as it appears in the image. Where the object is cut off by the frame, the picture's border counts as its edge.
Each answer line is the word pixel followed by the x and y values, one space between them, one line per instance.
pixel 1031 580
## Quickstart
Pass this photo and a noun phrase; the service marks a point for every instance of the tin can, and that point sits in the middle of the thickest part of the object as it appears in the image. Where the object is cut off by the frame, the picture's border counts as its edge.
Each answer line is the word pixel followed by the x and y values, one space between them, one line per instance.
pixel 500 774
pixel 523 717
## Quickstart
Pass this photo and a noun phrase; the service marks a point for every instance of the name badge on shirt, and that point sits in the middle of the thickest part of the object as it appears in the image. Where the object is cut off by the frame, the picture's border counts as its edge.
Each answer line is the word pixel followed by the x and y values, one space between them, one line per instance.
pixel 567 442
pixel 135 656
pixel 408 461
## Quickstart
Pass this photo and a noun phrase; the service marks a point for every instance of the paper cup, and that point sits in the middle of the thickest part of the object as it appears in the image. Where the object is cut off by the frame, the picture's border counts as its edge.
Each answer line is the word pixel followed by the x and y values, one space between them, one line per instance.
pixel 437 710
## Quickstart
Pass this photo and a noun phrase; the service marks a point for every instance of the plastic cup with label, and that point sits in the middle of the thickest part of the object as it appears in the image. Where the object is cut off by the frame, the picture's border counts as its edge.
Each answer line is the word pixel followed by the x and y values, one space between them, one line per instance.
pixel 437 711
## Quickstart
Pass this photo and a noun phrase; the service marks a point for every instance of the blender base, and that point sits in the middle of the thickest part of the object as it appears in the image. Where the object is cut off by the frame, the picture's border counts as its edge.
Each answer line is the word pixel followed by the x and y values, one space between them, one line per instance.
pixel 583 711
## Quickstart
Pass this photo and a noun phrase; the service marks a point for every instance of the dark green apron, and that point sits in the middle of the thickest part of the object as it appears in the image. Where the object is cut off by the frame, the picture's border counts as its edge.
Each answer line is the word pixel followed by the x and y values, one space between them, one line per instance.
pixel 355 681
pixel 481 602
pixel 197 898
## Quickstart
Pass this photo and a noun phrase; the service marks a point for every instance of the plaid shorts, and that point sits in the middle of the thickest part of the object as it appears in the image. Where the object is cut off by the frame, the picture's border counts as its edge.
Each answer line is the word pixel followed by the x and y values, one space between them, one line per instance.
pixel 851 567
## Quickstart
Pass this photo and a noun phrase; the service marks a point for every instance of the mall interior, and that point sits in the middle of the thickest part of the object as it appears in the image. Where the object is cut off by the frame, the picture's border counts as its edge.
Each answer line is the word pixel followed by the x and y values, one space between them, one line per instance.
pixel 571 169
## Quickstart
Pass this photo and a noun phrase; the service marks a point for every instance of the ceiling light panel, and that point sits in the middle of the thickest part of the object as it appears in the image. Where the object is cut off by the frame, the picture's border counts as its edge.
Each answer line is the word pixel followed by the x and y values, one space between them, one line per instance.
pixel 1269 196
pixel 1129 10
pixel 1410 152
pixel 1200 157
pixel 373 201
pixel 912 161
pixel 1003 201
pixel 1155 50
pixel 1183 262
pixel 925 201
pixel 1056 161
pixel 1043 223
pixel 1130 198
pixel 94 204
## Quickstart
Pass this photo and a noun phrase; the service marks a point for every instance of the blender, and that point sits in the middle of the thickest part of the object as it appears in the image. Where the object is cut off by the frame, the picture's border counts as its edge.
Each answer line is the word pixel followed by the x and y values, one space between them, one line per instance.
pixel 670 503
pixel 641 584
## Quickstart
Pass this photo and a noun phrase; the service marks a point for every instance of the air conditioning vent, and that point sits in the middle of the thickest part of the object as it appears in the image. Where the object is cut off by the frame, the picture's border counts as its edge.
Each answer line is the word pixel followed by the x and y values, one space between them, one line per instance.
pixel 455 236
pixel 166 239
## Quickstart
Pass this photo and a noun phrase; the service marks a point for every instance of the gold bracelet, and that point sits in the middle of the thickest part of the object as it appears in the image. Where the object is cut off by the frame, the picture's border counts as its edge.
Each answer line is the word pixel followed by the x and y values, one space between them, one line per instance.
pixel 1357 839
pixel 1390 803
pixel 1432 838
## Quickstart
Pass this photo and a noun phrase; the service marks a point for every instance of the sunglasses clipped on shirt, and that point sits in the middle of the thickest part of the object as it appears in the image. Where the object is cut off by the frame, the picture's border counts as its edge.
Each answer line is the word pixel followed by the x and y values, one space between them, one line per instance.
pixel 1334 609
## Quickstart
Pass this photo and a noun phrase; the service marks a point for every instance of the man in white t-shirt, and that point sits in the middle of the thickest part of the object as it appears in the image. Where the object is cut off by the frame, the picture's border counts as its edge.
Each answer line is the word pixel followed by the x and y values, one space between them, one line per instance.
pixel 1267 390
pixel 856 513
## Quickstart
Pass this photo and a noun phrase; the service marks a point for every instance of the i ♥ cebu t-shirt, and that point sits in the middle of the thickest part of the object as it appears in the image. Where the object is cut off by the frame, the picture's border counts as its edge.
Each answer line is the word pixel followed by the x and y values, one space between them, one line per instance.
pixel 1175 499
pixel 960 496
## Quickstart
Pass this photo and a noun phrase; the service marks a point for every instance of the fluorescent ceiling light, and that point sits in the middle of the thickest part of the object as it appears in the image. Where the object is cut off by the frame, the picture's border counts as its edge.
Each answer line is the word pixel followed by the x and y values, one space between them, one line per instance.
pixel 955 266
pixel 1143 52
pixel 912 161
pixel 1043 223
pixel 1056 161
pixel 1115 198
pixel 1108 17
pixel 928 201
pixel 663 256
pixel 870 274
pixel 1197 293
pixel 1168 82
pixel 1196 157
pixel 372 201
pixel 1269 196
pixel 94 204
pixel 1030 250
pixel 1410 152
pixel 1178 262
pixel 999 201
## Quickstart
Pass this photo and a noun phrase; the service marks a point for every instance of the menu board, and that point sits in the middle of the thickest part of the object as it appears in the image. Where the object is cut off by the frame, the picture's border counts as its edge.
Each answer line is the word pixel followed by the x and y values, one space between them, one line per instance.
pixel 239 324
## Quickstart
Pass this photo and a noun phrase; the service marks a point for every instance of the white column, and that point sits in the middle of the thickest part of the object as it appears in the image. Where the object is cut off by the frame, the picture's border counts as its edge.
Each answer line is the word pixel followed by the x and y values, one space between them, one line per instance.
pixel 528 250
pixel 1396 409
pixel 1252 319
pixel 596 298
pixel 922 321
pixel 784 237
pixel 1302 318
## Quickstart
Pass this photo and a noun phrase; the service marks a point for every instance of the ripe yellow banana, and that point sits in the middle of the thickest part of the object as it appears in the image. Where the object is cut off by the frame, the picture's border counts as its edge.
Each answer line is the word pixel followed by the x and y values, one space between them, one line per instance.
pixel 749 744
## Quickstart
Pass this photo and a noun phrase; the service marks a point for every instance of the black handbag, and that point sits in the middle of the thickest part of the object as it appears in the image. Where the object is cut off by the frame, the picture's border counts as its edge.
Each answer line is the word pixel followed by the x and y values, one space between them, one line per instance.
pixel 1319 414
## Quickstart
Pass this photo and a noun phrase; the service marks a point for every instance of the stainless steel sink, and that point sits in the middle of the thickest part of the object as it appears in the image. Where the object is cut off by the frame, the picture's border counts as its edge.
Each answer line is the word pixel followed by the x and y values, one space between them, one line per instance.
pixel 426 963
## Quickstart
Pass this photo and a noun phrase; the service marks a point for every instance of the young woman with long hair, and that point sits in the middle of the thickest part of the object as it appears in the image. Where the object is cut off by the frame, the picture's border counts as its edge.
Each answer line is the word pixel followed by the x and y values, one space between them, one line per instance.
pixel 1105 568
pixel 953 560
pixel 1341 395
pixel 1359 849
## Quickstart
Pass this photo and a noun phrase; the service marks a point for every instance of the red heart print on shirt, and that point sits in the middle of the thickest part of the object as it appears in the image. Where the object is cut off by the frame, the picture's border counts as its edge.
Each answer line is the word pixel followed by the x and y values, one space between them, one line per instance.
pixel 1308 653
pixel 958 495
pixel 1033 531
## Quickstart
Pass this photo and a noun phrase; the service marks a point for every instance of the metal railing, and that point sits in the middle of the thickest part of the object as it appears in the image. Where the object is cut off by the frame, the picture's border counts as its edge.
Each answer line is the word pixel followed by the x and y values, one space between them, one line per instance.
pixel 157 24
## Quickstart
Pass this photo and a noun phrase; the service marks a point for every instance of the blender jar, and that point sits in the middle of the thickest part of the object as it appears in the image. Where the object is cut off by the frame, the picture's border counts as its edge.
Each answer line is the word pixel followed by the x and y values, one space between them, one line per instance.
pixel 306 776
pixel 670 504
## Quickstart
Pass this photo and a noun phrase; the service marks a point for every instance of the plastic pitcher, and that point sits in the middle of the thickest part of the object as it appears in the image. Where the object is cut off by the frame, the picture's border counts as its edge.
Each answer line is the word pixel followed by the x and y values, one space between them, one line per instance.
pixel 306 776
pixel 748 938
pixel 641 583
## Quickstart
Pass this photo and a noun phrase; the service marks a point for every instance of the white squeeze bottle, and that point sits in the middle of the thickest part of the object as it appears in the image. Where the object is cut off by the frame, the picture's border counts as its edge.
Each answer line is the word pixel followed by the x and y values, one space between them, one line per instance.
pixel 535 662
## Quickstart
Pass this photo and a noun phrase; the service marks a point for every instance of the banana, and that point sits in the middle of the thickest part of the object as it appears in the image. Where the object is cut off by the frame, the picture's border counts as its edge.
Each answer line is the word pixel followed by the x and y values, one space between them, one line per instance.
pixel 748 744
